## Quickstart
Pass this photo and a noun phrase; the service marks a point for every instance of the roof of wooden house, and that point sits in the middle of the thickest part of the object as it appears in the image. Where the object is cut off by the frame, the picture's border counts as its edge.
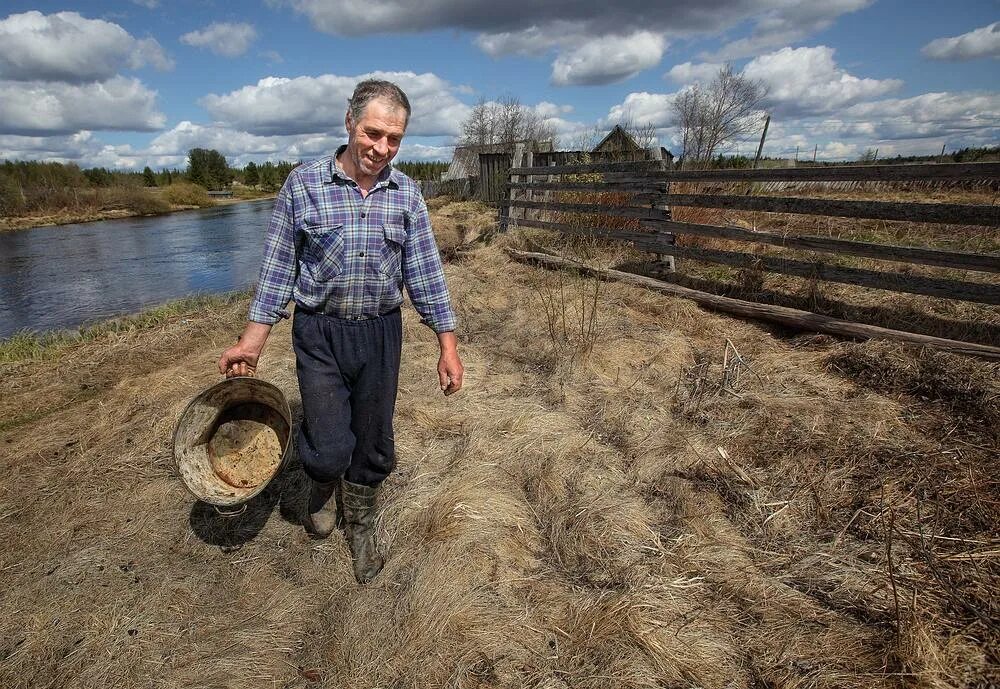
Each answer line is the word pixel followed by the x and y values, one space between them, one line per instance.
pixel 465 160
pixel 617 140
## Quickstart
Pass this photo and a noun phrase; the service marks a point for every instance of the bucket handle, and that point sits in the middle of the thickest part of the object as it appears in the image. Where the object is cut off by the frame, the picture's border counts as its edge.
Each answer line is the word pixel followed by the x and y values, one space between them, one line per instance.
pixel 230 513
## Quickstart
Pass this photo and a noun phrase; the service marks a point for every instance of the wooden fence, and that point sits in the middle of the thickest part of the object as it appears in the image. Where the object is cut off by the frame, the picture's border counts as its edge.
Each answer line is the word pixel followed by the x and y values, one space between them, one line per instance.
pixel 648 198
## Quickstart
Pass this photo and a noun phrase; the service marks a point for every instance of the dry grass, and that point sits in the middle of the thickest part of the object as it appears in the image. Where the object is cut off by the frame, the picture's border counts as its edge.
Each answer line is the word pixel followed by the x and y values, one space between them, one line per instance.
pixel 604 505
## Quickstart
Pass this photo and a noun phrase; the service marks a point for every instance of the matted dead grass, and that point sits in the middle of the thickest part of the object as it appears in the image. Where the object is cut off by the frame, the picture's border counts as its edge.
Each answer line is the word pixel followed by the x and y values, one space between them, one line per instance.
pixel 606 504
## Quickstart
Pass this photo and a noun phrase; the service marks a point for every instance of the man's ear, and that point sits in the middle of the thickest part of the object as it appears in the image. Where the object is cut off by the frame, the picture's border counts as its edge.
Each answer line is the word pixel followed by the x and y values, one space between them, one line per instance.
pixel 348 122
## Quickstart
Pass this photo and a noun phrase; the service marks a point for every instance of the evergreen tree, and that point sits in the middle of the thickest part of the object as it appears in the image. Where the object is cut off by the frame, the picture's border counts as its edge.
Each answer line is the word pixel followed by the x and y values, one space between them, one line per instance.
pixel 250 176
pixel 148 178
pixel 208 168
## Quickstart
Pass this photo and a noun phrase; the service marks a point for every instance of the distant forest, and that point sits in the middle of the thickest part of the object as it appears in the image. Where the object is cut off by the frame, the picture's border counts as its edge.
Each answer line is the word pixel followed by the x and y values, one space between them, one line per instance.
pixel 422 170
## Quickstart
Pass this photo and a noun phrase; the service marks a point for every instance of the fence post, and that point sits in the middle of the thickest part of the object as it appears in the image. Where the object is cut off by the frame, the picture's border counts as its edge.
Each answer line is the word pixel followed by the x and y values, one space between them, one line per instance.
pixel 529 159
pixel 654 225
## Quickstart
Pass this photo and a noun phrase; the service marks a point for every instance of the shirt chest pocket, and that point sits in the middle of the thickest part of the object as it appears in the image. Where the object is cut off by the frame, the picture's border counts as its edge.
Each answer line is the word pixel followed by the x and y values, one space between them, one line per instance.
pixel 392 248
pixel 323 251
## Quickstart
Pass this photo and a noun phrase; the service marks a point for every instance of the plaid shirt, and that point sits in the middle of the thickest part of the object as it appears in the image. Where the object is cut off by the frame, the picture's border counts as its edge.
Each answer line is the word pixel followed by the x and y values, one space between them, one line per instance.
pixel 340 254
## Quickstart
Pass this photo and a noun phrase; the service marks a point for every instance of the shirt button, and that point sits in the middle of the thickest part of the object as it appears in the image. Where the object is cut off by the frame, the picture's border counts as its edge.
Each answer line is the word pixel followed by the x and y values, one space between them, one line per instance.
pixel 363 215
pixel 361 254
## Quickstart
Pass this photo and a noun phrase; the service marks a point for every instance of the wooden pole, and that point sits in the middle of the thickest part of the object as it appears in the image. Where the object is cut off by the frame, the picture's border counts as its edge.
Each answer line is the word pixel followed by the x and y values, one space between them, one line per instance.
pixel 763 135
pixel 795 318
pixel 815 148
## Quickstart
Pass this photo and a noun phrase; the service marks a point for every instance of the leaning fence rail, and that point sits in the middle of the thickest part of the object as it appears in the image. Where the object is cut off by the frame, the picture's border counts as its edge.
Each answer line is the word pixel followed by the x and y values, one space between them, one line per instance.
pixel 642 192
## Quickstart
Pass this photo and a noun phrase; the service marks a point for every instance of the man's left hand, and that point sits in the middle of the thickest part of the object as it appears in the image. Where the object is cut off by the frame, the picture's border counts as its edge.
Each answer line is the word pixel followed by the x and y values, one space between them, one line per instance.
pixel 450 369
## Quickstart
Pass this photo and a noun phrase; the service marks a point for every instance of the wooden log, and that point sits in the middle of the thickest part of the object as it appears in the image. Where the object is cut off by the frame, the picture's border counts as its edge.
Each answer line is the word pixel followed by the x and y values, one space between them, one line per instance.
pixel 951 213
pixel 861 173
pixel 794 318
pixel 662 243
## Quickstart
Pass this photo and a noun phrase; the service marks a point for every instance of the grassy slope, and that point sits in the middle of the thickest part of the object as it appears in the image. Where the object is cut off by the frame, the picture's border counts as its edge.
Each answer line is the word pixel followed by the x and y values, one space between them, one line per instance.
pixel 568 520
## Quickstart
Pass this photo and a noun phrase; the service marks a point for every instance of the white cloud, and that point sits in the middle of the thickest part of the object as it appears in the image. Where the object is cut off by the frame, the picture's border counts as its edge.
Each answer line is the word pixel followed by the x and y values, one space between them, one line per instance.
pixel 311 105
pixel 148 4
pixel 223 38
pixel 690 72
pixel 786 23
pixel 82 148
pixel 547 109
pixel 423 152
pixel 528 27
pixel 532 42
pixel 642 109
pixel 930 115
pixel 608 59
pixel 36 107
pixel 803 81
pixel 982 42
pixel 68 47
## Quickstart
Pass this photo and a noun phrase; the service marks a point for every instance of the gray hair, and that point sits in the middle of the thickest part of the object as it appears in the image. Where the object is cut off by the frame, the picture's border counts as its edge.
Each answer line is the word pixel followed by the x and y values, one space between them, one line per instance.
pixel 370 89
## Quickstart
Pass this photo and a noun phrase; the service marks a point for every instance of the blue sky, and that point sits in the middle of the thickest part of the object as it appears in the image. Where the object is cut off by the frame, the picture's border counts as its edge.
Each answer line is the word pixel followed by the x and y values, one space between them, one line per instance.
pixel 137 82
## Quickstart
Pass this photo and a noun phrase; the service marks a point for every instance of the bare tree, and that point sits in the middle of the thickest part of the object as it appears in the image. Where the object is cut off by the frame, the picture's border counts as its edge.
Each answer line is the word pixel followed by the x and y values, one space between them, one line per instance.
pixel 504 122
pixel 713 115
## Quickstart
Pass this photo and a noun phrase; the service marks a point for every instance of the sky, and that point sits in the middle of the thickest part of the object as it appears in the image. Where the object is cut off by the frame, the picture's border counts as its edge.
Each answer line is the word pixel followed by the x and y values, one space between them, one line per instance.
pixel 140 82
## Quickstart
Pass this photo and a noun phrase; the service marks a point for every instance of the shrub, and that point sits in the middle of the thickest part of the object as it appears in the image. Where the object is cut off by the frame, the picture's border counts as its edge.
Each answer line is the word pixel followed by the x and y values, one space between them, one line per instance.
pixel 187 194
pixel 144 202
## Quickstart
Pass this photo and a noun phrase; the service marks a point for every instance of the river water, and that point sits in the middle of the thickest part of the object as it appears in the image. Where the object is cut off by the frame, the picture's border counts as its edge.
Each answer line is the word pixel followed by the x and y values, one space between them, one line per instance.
pixel 54 278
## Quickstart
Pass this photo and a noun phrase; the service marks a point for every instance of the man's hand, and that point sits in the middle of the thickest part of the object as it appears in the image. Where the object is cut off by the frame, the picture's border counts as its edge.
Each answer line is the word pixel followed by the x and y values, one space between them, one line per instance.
pixel 450 369
pixel 241 359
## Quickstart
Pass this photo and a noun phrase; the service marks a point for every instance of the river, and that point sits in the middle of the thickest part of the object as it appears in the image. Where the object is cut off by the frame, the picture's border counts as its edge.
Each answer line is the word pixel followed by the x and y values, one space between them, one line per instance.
pixel 56 278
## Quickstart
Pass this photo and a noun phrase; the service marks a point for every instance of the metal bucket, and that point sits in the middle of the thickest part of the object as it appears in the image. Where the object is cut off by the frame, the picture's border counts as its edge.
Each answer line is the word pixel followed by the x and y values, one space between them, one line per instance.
pixel 231 440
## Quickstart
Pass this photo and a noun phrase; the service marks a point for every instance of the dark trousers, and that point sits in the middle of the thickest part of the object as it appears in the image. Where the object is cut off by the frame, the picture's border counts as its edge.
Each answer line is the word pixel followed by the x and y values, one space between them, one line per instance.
pixel 348 373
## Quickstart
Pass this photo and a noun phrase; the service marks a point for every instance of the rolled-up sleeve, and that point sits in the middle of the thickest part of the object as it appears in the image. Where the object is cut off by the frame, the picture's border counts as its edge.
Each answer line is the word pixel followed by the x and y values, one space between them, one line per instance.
pixel 279 269
pixel 423 274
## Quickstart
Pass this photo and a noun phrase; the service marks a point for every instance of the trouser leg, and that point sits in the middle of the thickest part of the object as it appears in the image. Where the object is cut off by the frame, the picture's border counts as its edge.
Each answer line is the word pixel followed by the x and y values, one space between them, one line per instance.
pixel 325 439
pixel 373 401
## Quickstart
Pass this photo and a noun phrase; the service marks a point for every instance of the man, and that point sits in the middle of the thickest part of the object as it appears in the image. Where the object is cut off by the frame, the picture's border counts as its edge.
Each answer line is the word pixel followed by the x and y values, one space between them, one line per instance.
pixel 347 232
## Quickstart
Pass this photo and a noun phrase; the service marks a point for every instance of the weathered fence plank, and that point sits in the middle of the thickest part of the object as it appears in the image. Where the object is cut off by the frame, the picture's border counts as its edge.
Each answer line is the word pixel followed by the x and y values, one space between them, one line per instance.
pixel 898 282
pixel 784 315
pixel 950 213
pixel 872 173
pixel 615 211
pixel 584 168
pixel 885 252
pixel 636 185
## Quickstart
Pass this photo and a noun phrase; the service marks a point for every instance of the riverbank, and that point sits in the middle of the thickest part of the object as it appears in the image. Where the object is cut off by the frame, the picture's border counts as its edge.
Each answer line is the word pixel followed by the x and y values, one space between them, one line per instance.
pixel 606 503
pixel 70 217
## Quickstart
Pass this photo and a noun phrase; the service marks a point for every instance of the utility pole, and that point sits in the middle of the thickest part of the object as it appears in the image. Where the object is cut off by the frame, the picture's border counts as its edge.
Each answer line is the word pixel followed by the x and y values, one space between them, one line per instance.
pixel 763 136
pixel 815 148
pixel 941 157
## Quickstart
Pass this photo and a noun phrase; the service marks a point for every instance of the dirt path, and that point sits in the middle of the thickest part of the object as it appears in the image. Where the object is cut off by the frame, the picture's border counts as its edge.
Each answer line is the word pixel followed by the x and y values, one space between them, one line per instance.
pixel 593 510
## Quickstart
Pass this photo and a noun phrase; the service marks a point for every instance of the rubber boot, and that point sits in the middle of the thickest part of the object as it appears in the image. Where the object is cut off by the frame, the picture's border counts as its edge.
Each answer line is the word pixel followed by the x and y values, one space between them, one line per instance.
pixel 323 514
pixel 359 515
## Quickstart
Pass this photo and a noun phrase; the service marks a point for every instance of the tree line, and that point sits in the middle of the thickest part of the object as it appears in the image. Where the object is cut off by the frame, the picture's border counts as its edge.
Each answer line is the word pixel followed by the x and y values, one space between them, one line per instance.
pixel 429 170
pixel 31 185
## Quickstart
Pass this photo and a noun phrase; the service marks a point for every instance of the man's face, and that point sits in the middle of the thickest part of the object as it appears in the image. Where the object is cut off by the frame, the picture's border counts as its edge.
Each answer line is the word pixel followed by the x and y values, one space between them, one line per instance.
pixel 374 140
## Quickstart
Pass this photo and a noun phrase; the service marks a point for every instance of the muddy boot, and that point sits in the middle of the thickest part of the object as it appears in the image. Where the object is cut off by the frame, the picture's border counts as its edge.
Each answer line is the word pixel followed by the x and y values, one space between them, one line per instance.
pixel 323 513
pixel 359 515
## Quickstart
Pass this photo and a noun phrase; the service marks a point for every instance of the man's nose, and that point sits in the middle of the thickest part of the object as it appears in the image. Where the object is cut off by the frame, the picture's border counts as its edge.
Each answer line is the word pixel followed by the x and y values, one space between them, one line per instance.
pixel 382 146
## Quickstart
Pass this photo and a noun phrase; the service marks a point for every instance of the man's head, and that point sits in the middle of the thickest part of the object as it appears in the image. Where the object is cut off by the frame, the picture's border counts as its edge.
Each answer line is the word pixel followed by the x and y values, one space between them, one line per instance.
pixel 376 121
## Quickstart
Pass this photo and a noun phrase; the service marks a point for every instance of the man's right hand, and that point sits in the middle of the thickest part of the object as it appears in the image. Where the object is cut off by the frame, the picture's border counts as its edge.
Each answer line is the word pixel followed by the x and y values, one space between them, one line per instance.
pixel 241 359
